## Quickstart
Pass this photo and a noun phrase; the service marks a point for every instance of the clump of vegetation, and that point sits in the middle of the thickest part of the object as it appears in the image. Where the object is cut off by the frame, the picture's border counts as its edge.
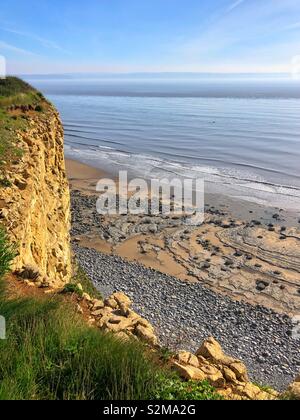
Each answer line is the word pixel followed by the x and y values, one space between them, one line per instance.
pixel 172 388
pixel 166 354
pixel 82 283
pixel 16 92
pixel 264 388
pixel 82 278
pixel 73 289
pixel 16 96
pixel 11 86
pixel 39 108
pixel 5 183
pixel 6 253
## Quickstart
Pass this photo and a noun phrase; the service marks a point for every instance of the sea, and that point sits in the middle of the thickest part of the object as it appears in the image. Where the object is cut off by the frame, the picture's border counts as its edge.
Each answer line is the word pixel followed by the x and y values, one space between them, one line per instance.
pixel 240 133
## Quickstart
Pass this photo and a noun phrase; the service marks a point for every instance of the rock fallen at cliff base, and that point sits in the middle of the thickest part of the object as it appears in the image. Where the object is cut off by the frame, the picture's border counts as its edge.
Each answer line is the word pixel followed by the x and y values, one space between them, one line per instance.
pixel 293 391
pixel 115 315
pixel 229 376
pixel 185 314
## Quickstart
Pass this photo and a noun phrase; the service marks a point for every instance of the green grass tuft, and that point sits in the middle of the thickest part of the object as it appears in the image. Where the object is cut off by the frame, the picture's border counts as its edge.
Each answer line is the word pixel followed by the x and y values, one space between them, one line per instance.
pixel 6 253
pixel 72 288
pixel 87 284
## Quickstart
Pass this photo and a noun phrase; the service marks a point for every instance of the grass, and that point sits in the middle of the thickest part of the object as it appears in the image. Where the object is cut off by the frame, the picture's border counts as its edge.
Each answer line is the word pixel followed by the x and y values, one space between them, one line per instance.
pixel 12 86
pixel 73 288
pixel 6 253
pixel 51 354
pixel 87 285
pixel 262 387
pixel 14 92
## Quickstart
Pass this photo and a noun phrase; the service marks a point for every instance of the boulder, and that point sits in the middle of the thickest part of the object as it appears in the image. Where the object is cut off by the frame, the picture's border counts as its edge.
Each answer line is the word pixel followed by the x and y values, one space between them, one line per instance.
pixel 294 389
pixel 229 375
pixel 213 376
pixel 239 370
pixel 146 335
pixel 86 297
pixel 189 373
pixel 212 351
pixel 187 358
pixel 122 299
pixel 111 302
pixel 117 325
pixel 97 304
pixel 115 315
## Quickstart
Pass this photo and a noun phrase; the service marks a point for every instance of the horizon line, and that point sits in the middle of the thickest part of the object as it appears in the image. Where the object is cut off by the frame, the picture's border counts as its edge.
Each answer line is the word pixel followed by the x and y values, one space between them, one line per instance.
pixel 145 73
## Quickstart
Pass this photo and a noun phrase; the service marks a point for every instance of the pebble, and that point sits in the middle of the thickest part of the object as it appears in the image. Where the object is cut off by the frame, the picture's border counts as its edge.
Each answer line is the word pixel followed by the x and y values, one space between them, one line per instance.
pixel 192 312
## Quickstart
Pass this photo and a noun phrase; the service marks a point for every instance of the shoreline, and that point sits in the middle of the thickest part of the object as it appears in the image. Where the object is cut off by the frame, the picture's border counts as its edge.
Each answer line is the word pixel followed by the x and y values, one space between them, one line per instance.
pixel 247 253
pixel 84 177
pixel 231 278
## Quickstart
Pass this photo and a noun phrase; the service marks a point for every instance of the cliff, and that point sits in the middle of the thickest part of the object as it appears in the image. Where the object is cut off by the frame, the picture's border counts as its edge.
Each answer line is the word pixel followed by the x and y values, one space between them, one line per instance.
pixel 34 197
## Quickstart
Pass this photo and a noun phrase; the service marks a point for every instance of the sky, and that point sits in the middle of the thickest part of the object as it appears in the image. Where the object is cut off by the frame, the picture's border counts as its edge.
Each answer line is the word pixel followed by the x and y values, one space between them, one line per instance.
pixel 223 36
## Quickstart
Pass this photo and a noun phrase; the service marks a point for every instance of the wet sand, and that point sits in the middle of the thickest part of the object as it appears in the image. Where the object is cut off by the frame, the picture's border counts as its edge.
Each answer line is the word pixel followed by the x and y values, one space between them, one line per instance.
pixel 84 177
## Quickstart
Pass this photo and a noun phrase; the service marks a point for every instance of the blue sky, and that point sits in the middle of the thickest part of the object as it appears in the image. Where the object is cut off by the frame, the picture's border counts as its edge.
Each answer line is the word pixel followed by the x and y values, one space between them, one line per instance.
pixel 57 36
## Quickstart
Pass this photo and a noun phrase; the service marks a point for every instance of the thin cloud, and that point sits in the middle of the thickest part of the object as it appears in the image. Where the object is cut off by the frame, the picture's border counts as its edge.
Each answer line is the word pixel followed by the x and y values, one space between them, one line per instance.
pixel 9 47
pixel 43 41
pixel 293 26
pixel 234 5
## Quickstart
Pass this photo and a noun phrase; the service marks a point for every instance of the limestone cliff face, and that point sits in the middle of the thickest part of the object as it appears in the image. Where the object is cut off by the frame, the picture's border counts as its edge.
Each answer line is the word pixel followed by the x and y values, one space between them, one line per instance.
pixel 36 207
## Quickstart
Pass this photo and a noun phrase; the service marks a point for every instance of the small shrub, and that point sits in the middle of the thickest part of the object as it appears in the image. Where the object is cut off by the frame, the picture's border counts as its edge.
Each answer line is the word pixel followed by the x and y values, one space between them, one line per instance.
pixel 39 108
pixel 5 183
pixel 72 288
pixel 173 388
pixel 165 354
pixel 40 95
pixel 87 284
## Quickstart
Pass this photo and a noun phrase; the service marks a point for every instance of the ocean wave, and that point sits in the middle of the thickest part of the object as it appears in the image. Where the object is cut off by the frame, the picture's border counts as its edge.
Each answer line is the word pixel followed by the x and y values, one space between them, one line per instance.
pixel 248 184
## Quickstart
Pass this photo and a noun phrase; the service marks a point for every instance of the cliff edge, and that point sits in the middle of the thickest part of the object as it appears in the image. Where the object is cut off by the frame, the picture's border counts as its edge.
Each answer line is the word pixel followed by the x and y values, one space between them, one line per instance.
pixel 34 193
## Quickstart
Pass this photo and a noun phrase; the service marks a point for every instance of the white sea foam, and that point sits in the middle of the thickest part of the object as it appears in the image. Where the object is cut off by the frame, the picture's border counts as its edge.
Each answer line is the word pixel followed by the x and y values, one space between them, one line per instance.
pixel 237 183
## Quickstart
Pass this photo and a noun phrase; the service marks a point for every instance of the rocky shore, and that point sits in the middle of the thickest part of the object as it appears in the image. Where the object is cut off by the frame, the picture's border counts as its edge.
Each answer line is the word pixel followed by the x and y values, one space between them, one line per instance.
pixel 185 314
pixel 235 278
pixel 256 259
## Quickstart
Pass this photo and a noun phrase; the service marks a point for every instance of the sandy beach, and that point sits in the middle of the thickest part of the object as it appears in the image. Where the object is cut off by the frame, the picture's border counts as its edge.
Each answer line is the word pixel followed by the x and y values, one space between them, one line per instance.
pixel 84 177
